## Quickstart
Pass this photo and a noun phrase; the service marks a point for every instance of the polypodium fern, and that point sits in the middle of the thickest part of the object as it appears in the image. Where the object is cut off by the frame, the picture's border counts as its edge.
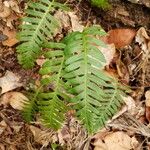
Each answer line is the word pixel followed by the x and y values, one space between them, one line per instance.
pixel 37 26
pixel 97 96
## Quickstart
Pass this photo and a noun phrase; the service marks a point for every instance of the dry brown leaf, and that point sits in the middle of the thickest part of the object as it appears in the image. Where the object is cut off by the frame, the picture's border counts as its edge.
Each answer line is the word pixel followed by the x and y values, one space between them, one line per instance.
pixel 144 41
pixel 4 11
pixel 15 99
pixel 11 34
pixel 116 141
pixel 3 126
pixel 41 137
pixel 147 103
pixel 68 20
pixel 76 25
pixel 147 98
pixel 108 53
pixel 120 37
pixel 9 82
pixel 14 5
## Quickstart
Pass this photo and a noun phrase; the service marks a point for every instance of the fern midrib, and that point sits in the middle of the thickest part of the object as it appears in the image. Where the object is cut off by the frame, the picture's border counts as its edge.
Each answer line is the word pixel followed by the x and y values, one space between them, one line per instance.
pixel 85 77
pixel 41 22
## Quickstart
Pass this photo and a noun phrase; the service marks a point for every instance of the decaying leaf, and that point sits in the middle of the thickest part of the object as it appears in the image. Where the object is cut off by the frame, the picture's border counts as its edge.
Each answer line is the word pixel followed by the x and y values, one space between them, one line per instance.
pixel 108 53
pixel 120 37
pixel 76 25
pixel 144 41
pixel 15 99
pixel 116 141
pixel 69 20
pixel 4 10
pixel 3 126
pixel 42 137
pixel 13 5
pixel 147 103
pixel 147 100
pixel 9 82
pixel 11 34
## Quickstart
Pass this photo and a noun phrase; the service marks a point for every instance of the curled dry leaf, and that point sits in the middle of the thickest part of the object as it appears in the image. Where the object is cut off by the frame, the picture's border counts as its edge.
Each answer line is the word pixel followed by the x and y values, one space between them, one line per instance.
pixel 120 37
pixel 9 82
pixel 15 99
pixel 116 141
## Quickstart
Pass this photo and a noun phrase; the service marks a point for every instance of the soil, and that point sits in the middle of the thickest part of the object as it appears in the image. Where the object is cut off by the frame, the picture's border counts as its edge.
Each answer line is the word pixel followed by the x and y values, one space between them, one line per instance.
pixel 122 14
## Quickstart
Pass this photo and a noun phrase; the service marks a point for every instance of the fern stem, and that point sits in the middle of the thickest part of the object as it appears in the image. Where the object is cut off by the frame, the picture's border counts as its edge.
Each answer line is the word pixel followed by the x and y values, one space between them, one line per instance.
pixel 85 78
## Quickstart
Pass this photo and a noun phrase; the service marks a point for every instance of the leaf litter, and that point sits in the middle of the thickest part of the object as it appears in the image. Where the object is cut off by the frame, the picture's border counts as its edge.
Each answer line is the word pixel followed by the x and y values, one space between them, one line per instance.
pixel 131 118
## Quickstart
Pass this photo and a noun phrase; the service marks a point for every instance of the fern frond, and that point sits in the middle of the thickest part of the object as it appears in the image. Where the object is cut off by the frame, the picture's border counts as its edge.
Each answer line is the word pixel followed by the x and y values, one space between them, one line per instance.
pixel 38 25
pixel 97 96
pixel 51 104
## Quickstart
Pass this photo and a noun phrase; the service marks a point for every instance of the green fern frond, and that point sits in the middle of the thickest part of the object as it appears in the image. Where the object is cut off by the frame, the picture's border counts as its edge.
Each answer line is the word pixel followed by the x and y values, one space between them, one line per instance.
pixel 38 25
pixel 51 104
pixel 97 96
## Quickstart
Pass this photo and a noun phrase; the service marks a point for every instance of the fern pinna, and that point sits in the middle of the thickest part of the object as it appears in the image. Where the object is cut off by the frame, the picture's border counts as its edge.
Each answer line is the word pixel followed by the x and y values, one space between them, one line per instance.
pixel 97 96
pixel 38 25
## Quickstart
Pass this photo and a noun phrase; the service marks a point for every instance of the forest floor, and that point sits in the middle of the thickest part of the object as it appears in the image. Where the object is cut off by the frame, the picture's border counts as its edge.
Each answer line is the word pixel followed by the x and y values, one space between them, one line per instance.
pixel 130 128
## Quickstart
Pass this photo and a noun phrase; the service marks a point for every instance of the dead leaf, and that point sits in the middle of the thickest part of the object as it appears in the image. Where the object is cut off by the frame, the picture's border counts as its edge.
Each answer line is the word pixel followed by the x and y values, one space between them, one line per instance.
pixel 76 25
pixel 3 126
pixel 120 37
pixel 147 103
pixel 11 34
pixel 43 137
pixel 15 99
pixel 4 10
pixel 108 53
pixel 147 98
pixel 14 5
pixel 116 141
pixel 9 82
pixel 144 41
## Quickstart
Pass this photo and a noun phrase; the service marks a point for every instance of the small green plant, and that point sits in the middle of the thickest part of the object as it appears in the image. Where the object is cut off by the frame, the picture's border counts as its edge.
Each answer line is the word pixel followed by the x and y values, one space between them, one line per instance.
pixel 38 25
pixel 72 74
pixel 101 3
